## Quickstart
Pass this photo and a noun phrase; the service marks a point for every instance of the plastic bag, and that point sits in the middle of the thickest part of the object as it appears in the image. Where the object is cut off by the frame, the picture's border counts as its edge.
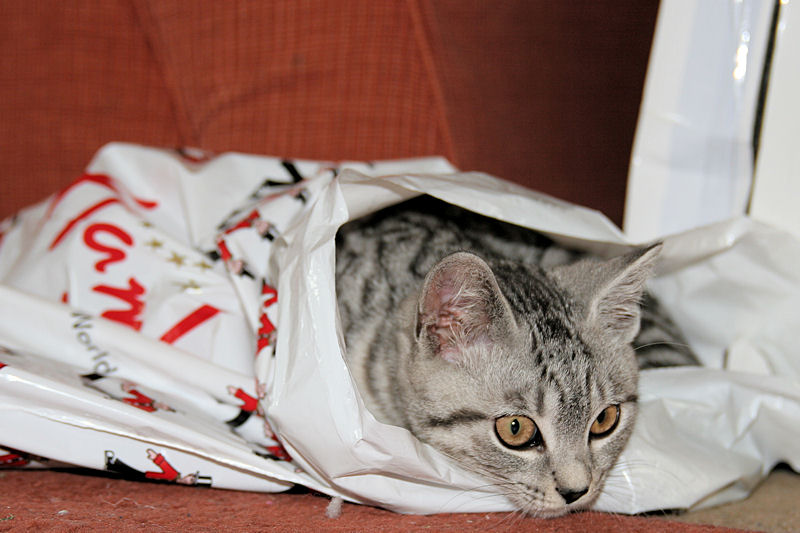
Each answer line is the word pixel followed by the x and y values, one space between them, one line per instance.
pixel 183 328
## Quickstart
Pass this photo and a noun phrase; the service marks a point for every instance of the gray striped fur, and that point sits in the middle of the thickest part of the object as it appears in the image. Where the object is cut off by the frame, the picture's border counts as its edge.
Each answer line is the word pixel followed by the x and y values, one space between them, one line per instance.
pixel 452 321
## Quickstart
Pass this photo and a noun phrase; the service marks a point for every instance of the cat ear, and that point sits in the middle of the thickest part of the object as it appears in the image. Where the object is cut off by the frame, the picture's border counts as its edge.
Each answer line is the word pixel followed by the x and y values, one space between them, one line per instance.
pixel 613 295
pixel 615 307
pixel 458 306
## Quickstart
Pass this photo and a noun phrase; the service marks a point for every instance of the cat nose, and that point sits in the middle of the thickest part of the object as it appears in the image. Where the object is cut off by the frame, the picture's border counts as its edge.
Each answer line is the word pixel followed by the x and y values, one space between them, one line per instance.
pixel 570 495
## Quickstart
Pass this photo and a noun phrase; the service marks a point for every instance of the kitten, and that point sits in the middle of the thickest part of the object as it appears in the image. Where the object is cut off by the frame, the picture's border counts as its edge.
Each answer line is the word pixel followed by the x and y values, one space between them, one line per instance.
pixel 506 352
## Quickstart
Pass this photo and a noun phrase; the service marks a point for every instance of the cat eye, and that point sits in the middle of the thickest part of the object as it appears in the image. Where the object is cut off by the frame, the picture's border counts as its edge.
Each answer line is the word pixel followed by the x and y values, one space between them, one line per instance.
pixel 605 423
pixel 517 431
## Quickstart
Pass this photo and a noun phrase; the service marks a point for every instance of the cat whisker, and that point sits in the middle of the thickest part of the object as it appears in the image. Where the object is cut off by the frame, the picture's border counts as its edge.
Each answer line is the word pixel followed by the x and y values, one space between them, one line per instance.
pixel 503 487
pixel 617 497
pixel 664 343
pixel 528 507
pixel 642 466
pixel 500 486
pixel 514 518
pixel 475 469
pixel 615 480
pixel 491 490
pixel 620 517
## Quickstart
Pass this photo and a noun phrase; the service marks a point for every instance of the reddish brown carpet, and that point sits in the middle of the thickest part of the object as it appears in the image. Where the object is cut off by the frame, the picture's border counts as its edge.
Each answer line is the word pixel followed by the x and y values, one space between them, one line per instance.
pixel 59 501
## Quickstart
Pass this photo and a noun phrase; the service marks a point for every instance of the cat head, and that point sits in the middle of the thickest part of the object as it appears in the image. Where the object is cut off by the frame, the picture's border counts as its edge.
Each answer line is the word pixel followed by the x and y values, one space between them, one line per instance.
pixel 527 377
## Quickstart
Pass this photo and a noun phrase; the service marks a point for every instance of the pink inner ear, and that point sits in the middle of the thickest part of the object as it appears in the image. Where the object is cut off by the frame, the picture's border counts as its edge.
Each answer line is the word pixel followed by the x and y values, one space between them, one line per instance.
pixel 445 330
pixel 455 316
pixel 440 316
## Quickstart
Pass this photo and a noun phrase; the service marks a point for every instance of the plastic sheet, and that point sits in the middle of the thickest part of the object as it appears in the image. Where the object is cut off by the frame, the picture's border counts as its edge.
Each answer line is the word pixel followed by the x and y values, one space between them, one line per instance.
pixel 174 319
pixel 692 161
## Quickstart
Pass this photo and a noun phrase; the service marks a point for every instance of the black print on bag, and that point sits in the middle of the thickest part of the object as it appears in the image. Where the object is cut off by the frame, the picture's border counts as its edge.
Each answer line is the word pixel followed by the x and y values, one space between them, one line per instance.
pixel 270 183
pixel 235 266
pixel 133 396
pixel 164 473
pixel 13 458
pixel 294 175
pixel 292 170
pixel 275 453
pixel 265 189
pixel 266 229
pixel 303 195
pixel 246 410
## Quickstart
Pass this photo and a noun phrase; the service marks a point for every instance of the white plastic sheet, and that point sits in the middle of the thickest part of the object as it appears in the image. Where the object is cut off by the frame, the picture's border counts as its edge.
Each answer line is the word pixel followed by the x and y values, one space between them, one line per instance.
pixel 145 310
pixel 692 161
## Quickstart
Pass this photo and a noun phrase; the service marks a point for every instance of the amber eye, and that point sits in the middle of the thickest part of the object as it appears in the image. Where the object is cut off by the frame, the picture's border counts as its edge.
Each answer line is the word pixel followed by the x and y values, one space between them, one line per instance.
pixel 605 423
pixel 517 431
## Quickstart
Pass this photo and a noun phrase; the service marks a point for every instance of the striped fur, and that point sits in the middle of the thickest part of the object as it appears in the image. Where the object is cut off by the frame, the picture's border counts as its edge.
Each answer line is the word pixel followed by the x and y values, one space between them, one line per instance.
pixel 453 321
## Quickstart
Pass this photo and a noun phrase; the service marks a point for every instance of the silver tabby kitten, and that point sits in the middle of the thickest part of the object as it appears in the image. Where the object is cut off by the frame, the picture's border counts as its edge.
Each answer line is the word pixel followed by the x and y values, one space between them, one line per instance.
pixel 507 353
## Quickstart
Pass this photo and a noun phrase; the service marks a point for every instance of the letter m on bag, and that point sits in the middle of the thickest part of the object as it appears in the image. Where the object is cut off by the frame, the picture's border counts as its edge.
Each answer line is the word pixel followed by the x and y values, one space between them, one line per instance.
pixel 131 296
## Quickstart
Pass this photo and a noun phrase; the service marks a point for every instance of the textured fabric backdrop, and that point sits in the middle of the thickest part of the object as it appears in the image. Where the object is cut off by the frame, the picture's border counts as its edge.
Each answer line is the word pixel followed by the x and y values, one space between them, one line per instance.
pixel 542 93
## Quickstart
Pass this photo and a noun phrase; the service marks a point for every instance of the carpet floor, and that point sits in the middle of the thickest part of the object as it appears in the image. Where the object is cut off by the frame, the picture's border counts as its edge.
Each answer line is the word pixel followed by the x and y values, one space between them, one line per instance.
pixel 75 502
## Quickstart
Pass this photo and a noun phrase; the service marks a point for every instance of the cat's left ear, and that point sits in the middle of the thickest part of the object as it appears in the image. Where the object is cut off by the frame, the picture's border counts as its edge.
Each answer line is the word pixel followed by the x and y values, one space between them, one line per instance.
pixel 613 298
pixel 460 307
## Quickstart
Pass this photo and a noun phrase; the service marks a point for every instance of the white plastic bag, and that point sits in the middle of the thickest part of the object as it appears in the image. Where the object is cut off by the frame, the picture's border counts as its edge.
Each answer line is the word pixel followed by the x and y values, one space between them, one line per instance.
pixel 174 400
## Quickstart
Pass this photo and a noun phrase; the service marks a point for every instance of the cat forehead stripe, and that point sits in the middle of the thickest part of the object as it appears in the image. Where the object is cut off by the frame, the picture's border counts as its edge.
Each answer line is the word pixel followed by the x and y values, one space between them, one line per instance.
pixel 462 416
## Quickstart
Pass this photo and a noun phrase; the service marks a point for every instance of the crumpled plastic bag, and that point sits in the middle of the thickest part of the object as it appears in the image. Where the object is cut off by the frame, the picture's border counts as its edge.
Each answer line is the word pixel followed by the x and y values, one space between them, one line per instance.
pixel 173 317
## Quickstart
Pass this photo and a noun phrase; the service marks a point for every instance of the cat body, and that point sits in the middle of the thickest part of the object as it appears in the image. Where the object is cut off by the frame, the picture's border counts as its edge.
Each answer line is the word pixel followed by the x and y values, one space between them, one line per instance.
pixel 507 353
